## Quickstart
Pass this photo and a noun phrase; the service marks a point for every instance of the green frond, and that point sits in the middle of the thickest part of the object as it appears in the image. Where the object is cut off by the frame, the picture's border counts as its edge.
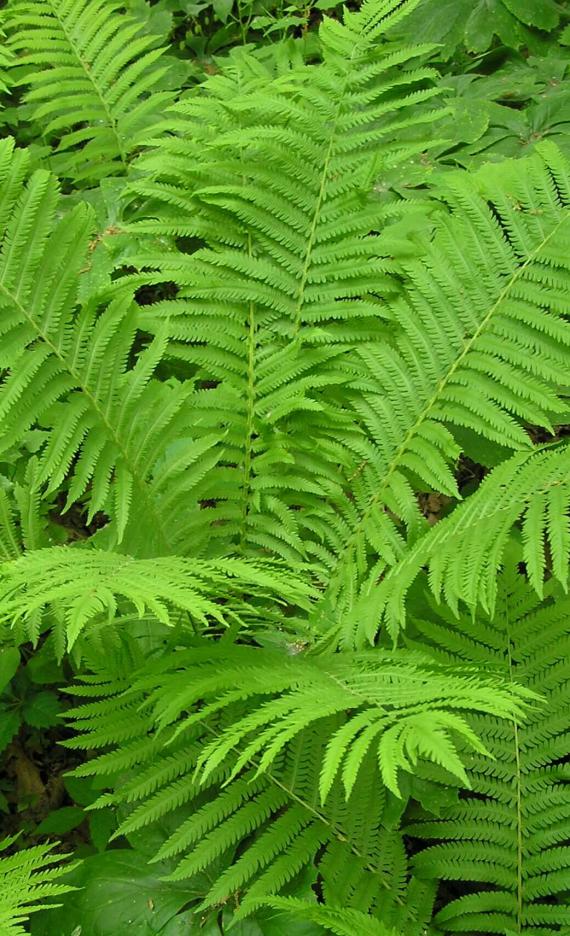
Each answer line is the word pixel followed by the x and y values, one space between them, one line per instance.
pixel 29 881
pixel 67 367
pixel 95 80
pixel 289 274
pixel 464 552
pixel 6 60
pixel 23 526
pixel 83 584
pixel 509 833
pixel 481 344
pixel 466 341
pixel 340 922
pixel 237 736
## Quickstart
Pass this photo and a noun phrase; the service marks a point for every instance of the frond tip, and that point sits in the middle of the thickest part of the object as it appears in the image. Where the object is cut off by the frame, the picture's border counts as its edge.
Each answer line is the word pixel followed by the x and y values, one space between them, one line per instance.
pixel 29 881
pixel 94 80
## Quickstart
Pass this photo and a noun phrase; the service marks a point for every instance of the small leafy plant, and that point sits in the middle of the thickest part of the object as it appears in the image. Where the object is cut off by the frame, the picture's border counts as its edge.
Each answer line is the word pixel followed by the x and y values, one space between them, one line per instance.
pixel 284 468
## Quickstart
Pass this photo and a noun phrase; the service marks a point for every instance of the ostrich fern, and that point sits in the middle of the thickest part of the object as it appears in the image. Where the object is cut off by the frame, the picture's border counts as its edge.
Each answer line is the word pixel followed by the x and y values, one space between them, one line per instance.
pixel 246 409
pixel 509 833
pixel 93 80
pixel 29 879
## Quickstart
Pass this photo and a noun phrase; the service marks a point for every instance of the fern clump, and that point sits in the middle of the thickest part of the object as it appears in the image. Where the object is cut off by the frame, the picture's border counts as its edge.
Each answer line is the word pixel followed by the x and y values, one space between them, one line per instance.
pixel 284 470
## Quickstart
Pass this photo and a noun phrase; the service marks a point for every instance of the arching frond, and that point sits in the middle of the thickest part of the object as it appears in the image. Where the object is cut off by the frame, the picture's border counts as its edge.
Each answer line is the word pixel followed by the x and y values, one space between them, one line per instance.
pixel 482 345
pixel 83 584
pixel 340 922
pixel 94 80
pixel 261 732
pixel 465 551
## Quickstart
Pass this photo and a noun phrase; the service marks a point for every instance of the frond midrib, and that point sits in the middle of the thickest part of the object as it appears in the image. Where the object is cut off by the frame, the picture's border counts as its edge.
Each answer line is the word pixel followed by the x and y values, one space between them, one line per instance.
pixel 91 78
pixel 101 414
pixel 434 399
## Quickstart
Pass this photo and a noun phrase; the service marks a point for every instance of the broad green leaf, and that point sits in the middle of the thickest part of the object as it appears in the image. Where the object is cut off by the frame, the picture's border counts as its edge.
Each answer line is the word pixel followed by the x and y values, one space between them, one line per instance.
pixel 42 709
pixel 10 722
pixel 61 821
pixel 9 662
pixel 119 894
pixel 543 14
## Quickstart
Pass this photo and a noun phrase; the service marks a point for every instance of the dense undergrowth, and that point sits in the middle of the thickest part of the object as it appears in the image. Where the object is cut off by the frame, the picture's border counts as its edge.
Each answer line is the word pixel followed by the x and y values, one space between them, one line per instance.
pixel 284 467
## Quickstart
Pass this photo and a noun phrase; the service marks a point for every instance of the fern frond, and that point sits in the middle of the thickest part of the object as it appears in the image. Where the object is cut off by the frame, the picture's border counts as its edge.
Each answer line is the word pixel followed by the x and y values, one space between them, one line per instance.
pixel 509 833
pixel 237 735
pixel 340 922
pixel 268 824
pixel 6 60
pixel 289 276
pixel 483 346
pixel 68 366
pixel 23 526
pixel 477 341
pixel 464 552
pixel 28 883
pixel 94 80
pixel 83 584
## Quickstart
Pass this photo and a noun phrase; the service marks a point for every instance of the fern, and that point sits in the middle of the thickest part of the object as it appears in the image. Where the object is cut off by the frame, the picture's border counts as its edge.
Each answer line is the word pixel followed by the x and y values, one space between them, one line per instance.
pixel 28 878
pixel 94 80
pixel 341 922
pixel 479 338
pixel 68 369
pixel 484 340
pixel 288 278
pixel 285 677
pixel 5 62
pixel 82 585
pixel 510 832
pixel 273 729
pixel 465 552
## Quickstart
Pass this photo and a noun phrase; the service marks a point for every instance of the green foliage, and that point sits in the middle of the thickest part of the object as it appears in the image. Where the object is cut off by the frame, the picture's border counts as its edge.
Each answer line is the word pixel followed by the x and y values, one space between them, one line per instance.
pixel 85 584
pixel 94 80
pixel 28 877
pixel 513 22
pixel 284 467
pixel 509 832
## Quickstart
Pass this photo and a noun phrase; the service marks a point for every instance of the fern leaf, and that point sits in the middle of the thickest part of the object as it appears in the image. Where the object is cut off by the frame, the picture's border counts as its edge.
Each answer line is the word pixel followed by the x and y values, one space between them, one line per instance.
pixel 29 881
pixel 510 833
pixel 86 583
pixel 465 551
pixel 94 80
pixel 340 922
pixel 289 275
